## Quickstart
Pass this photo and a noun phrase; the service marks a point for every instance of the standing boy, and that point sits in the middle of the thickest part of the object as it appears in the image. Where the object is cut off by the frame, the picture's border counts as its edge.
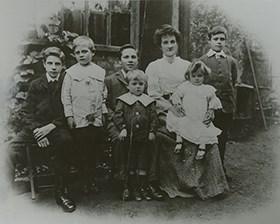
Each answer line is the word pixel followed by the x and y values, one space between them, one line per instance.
pixel 136 118
pixel 117 85
pixel 83 97
pixel 223 77
pixel 44 123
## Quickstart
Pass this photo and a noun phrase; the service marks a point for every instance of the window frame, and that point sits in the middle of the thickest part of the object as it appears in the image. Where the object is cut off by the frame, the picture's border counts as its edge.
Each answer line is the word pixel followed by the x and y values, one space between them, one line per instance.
pixel 134 25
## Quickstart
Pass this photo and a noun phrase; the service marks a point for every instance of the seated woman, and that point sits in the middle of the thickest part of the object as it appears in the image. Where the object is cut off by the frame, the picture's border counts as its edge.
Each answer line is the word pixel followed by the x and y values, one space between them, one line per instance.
pixel 179 176
pixel 164 76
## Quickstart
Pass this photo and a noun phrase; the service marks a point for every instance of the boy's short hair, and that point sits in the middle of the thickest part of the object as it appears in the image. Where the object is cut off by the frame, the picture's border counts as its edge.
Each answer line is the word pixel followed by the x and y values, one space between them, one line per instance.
pixel 136 74
pixel 216 30
pixel 126 46
pixel 194 66
pixel 54 51
pixel 84 40
pixel 164 30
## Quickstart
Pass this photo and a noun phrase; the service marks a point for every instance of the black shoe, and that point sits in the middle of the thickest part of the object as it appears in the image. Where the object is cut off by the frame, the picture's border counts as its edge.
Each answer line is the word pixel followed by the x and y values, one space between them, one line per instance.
pixel 144 194
pixel 126 195
pixel 155 193
pixel 137 195
pixel 65 202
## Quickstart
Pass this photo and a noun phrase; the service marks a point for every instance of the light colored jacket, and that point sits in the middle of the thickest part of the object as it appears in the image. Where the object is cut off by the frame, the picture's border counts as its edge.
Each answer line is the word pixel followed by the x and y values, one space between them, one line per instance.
pixel 84 93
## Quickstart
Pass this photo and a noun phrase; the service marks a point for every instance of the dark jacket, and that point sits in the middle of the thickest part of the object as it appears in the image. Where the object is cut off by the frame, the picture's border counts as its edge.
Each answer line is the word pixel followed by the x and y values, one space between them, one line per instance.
pixel 138 117
pixel 116 86
pixel 43 106
pixel 223 77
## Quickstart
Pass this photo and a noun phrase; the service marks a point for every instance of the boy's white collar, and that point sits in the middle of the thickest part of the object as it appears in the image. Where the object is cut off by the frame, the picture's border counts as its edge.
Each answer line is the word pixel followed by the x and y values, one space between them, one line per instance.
pixel 51 79
pixel 217 54
pixel 124 73
pixel 130 99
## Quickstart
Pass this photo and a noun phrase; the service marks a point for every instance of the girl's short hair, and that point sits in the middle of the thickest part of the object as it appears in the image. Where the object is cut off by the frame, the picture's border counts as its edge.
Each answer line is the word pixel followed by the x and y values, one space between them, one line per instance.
pixel 126 46
pixel 194 66
pixel 216 30
pixel 165 30
pixel 84 40
pixel 54 51
pixel 136 74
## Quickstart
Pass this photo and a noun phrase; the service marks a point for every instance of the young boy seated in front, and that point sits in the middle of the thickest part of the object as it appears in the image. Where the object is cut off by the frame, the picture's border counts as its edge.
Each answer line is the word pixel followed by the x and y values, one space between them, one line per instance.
pixel 136 118
pixel 83 97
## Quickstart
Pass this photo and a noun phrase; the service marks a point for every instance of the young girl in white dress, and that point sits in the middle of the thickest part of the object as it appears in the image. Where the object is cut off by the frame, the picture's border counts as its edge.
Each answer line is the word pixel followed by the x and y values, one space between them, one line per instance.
pixel 198 102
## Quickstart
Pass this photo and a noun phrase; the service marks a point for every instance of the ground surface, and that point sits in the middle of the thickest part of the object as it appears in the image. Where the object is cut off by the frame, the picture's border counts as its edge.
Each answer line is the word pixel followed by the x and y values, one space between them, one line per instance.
pixel 253 197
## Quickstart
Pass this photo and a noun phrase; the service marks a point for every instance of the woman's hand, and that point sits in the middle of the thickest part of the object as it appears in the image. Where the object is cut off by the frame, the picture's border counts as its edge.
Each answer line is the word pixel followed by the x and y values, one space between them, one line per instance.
pixel 177 110
pixel 71 122
pixel 123 134
pixel 208 118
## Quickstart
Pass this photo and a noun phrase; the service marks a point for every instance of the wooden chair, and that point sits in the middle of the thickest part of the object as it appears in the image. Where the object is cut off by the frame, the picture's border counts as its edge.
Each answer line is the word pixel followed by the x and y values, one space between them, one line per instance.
pixel 37 156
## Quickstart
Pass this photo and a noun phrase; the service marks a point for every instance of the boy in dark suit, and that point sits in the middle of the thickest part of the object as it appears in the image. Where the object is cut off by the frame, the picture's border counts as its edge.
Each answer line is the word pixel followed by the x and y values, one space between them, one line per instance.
pixel 136 119
pixel 116 86
pixel 44 123
pixel 223 77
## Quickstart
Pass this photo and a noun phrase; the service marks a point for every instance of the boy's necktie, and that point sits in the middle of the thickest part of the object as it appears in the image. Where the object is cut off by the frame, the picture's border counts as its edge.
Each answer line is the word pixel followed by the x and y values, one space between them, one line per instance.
pixel 53 85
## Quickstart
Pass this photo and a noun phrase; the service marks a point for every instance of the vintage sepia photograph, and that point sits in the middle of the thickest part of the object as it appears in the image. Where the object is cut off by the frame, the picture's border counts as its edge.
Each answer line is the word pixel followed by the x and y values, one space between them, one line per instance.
pixel 139 111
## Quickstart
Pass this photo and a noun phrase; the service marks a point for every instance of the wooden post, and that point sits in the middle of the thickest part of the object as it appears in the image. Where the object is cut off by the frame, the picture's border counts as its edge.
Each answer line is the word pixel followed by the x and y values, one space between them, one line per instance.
pixel 86 17
pixel 184 27
pixel 256 85
pixel 135 23
pixel 175 13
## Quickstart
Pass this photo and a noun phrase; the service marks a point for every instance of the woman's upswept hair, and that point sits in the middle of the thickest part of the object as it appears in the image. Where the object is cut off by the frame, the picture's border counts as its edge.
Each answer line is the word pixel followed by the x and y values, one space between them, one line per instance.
pixel 164 30
pixel 194 66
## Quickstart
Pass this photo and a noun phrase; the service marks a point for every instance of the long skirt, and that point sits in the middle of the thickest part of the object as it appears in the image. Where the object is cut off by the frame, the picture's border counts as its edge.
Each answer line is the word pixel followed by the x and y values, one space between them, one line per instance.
pixel 182 175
